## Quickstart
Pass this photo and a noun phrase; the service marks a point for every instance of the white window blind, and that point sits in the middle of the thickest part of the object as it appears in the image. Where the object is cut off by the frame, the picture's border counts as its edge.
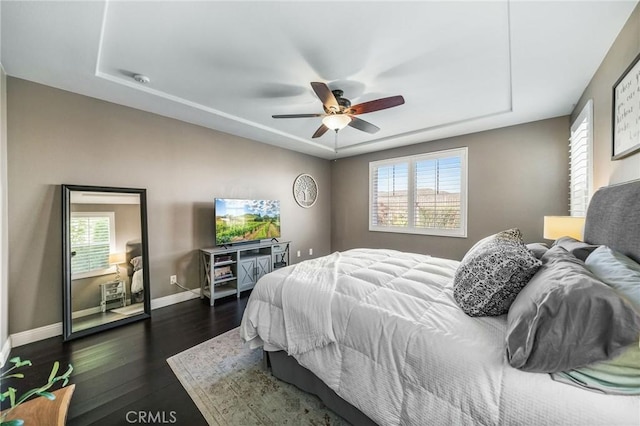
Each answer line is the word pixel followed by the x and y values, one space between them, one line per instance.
pixel 421 194
pixel 92 237
pixel 580 158
pixel 390 187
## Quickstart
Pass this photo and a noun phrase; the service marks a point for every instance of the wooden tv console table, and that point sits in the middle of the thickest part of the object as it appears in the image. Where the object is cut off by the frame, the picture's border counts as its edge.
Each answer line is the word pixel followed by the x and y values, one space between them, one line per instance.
pixel 225 271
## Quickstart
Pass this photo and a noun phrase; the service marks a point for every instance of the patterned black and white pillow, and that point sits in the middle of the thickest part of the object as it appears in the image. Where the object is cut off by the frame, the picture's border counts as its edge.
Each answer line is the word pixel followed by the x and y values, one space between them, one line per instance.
pixel 492 273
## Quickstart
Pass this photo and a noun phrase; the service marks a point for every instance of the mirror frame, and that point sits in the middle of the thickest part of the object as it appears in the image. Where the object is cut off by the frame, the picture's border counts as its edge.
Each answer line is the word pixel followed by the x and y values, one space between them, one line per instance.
pixel 67 322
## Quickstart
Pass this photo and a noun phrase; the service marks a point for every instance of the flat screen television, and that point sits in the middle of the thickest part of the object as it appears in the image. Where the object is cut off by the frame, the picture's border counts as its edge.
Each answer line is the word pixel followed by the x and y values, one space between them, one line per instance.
pixel 239 221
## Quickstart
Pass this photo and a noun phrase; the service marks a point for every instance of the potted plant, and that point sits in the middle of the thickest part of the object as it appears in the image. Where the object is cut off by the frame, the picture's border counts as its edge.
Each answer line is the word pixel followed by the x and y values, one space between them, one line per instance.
pixel 43 391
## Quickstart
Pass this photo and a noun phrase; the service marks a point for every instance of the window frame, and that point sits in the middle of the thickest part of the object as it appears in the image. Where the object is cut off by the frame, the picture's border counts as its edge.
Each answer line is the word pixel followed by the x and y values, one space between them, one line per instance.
pixel 410 160
pixel 112 244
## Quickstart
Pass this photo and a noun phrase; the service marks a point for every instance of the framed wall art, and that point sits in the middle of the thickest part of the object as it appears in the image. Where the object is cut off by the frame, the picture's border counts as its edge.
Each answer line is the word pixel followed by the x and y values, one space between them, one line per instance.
pixel 625 122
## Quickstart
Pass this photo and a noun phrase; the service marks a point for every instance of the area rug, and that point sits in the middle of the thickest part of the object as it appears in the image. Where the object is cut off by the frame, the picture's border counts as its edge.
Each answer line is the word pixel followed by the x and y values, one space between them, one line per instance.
pixel 226 381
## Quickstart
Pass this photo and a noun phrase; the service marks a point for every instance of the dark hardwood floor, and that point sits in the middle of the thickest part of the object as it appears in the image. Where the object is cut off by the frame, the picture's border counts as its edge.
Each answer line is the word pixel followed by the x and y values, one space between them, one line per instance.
pixel 122 374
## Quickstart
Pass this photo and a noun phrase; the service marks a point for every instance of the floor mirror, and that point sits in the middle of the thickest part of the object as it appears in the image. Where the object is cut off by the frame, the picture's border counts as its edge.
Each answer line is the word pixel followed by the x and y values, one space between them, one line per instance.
pixel 105 258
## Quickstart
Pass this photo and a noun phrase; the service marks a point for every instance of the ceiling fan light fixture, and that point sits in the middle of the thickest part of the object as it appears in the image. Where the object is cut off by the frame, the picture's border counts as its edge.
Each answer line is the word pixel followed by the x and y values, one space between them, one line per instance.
pixel 336 121
pixel 339 113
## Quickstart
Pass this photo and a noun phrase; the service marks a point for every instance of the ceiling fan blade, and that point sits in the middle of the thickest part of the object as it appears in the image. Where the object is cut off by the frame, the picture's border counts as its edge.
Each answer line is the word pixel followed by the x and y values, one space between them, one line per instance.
pixel 326 96
pixel 321 131
pixel 365 126
pixel 377 105
pixel 297 115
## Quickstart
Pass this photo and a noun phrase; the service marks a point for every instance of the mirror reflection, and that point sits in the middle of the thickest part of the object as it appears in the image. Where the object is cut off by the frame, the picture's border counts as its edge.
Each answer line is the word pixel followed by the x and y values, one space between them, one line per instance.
pixel 105 269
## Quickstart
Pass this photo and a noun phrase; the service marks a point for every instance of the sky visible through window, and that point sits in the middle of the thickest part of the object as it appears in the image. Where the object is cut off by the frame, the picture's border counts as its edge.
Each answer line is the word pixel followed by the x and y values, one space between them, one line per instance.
pixel 394 177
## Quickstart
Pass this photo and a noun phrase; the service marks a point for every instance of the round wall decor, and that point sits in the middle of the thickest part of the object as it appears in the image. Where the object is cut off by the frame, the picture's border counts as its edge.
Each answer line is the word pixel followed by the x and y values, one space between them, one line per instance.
pixel 305 190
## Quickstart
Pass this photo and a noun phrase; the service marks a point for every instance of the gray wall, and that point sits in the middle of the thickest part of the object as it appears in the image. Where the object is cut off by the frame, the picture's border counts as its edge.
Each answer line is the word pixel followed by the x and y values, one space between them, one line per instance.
pixel 517 175
pixel 623 51
pixel 57 137
pixel 4 252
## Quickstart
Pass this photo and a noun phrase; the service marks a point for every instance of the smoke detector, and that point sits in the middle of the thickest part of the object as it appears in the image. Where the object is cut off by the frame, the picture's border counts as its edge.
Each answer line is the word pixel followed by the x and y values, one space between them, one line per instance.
pixel 141 78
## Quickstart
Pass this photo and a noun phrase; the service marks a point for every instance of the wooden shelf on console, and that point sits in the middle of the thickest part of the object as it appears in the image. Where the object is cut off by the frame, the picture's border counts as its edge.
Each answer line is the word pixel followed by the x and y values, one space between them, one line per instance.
pixel 220 291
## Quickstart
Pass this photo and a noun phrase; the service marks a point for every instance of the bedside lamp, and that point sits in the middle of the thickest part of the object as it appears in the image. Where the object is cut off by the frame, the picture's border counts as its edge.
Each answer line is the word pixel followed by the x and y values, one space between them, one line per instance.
pixel 563 226
pixel 117 259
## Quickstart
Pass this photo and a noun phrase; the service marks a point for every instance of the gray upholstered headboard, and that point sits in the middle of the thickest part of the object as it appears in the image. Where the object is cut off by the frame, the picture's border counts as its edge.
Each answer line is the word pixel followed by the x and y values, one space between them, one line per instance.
pixel 613 218
pixel 133 249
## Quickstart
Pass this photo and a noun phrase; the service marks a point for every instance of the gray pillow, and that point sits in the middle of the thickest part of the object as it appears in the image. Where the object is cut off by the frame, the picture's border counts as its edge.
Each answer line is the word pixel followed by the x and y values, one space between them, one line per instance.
pixel 621 374
pixel 579 249
pixel 566 318
pixel 538 249
pixel 492 273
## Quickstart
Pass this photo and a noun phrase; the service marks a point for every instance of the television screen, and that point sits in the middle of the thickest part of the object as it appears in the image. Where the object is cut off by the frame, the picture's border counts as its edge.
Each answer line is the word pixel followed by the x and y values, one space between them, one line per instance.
pixel 246 220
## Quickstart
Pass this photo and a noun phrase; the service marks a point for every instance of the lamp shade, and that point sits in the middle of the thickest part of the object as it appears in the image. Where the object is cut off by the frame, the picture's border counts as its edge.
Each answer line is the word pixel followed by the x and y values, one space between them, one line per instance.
pixel 336 121
pixel 116 258
pixel 563 226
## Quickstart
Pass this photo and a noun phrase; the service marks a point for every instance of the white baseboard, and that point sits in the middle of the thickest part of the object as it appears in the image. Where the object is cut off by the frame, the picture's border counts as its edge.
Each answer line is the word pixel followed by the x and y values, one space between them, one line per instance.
pixel 53 330
pixel 6 350
pixel 36 334
pixel 172 299
pixel 85 312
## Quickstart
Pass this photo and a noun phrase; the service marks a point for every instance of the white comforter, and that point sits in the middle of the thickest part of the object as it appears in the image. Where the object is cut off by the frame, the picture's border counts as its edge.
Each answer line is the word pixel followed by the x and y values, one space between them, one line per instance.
pixel 406 354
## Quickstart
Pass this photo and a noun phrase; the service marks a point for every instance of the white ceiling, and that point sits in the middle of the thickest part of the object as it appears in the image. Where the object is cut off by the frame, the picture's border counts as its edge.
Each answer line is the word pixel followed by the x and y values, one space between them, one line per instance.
pixel 461 66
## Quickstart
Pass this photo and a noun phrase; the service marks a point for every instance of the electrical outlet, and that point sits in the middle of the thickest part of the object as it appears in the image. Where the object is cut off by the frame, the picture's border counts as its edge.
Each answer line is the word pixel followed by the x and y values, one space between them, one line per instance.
pixel 310 252
pixel 173 279
pixel 298 253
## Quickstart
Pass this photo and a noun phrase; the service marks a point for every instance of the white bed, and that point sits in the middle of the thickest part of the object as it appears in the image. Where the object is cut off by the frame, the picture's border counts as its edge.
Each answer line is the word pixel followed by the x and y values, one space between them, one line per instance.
pixel 404 353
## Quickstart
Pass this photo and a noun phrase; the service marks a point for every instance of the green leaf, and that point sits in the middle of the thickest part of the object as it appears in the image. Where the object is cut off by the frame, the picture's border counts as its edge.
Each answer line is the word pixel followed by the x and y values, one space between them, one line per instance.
pixel 15 422
pixel 20 363
pixel 15 375
pixel 47 395
pixel 54 371
pixel 66 375
pixel 11 393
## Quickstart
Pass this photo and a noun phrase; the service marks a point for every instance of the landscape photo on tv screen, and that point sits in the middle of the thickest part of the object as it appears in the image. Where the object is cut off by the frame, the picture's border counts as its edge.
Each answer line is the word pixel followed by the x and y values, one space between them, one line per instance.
pixel 246 220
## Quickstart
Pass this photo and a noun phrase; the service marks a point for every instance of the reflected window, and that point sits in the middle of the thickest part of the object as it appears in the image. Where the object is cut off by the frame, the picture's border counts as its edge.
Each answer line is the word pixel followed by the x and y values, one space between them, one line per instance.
pixel 92 238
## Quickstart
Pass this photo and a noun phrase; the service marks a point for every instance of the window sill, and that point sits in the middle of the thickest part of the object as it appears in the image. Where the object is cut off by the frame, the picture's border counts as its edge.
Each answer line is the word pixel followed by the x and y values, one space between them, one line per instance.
pixel 458 233
pixel 96 273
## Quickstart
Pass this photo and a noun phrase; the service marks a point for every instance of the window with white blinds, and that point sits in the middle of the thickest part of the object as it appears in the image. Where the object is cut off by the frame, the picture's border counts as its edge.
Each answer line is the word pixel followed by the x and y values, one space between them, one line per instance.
pixel 580 158
pixel 420 194
pixel 92 237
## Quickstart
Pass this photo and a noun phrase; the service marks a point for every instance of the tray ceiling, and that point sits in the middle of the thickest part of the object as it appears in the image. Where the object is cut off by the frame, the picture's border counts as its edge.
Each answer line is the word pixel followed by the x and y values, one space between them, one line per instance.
pixel 461 66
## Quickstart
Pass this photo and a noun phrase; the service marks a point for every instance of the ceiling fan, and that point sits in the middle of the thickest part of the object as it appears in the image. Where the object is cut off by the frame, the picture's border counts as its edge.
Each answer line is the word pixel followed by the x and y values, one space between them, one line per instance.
pixel 339 113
